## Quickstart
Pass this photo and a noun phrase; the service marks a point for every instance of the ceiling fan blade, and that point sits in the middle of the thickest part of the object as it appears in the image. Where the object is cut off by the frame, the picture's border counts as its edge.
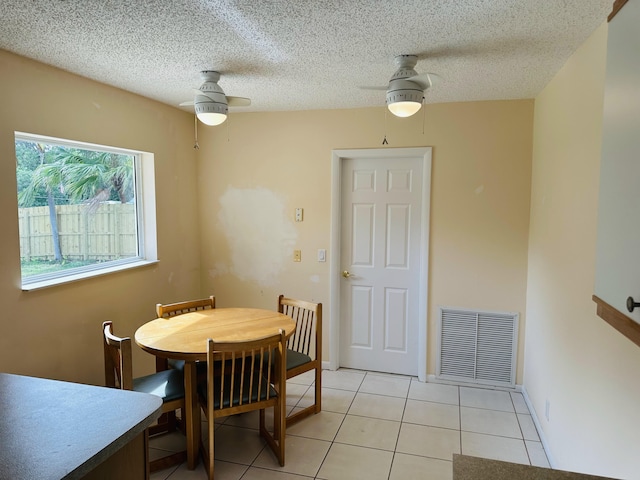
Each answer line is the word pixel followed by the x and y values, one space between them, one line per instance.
pixel 238 101
pixel 435 78
pixel 426 80
pixel 386 87
pixel 186 104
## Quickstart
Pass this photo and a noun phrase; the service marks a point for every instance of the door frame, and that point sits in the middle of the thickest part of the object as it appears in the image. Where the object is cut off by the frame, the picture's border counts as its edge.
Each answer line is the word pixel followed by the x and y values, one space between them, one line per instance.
pixel 337 156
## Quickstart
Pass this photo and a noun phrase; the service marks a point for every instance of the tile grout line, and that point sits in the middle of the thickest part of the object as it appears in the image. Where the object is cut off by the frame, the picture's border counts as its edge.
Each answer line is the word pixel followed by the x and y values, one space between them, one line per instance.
pixel 395 447
pixel 520 427
pixel 324 459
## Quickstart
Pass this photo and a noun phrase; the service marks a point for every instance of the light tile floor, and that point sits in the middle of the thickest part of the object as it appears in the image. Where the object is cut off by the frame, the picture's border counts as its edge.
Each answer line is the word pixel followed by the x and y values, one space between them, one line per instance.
pixel 373 426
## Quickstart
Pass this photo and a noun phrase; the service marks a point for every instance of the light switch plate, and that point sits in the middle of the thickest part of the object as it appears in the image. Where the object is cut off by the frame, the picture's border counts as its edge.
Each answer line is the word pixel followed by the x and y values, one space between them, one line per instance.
pixel 298 214
pixel 322 255
pixel 297 256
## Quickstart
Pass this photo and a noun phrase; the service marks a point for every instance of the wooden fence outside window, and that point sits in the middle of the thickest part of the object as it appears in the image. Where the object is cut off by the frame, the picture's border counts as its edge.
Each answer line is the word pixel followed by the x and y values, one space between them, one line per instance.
pixel 105 233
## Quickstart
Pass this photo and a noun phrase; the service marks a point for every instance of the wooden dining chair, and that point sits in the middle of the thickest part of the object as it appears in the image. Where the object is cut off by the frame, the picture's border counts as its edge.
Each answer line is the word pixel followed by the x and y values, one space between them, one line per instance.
pixel 238 381
pixel 168 385
pixel 308 336
pixel 168 421
pixel 171 310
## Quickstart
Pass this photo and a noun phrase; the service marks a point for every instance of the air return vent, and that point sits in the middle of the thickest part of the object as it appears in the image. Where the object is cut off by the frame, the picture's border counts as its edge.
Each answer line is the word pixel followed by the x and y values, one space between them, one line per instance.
pixel 477 347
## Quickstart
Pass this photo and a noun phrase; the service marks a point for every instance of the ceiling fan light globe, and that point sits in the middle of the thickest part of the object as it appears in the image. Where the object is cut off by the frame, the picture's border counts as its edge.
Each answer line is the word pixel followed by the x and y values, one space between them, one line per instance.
pixel 210 112
pixel 404 109
pixel 211 119
pixel 404 98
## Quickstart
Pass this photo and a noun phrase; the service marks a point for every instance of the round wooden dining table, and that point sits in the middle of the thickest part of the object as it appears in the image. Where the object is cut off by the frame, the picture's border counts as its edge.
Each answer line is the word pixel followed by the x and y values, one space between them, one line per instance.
pixel 184 337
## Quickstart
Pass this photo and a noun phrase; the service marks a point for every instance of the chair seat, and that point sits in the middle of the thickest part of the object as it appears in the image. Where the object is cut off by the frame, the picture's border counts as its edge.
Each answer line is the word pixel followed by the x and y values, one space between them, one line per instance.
pixel 249 395
pixel 168 384
pixel 295 359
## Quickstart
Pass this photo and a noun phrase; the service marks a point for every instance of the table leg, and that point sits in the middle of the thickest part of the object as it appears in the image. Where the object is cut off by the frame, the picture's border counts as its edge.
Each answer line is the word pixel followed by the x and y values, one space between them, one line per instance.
pixel 192 414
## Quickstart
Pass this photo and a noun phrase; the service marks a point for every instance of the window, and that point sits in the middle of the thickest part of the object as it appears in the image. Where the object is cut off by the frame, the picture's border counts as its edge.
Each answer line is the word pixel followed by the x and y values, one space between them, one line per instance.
pixel 83 209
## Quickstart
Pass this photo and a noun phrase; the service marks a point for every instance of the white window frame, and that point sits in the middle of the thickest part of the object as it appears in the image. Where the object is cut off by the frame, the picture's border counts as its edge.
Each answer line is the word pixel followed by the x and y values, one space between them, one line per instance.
pixel 145 216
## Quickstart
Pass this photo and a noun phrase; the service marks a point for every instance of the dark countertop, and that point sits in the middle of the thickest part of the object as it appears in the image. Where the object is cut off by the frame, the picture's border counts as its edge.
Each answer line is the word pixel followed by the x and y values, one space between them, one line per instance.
pixel 474 468
pixel 60 430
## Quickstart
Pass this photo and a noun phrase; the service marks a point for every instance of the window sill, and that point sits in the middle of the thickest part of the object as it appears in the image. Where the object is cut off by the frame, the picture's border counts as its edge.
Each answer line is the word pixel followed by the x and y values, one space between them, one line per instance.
pixel 85 275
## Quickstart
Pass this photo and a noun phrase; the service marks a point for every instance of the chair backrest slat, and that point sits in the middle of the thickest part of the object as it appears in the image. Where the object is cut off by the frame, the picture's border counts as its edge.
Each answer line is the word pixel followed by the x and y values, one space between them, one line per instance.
pixel 242 379
pixel 222 380
pixel 306 324
pixel 233 376
pixel 269 367
pixel 308 317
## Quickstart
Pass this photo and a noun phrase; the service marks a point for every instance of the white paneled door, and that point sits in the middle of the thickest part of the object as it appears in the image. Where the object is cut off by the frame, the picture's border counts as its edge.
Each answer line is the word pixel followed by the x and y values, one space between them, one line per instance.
pixel 381 201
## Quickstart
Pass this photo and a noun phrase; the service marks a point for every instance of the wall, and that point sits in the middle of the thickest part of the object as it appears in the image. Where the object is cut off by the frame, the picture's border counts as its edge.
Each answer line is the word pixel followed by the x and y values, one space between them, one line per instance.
pixel 582 366
pixel 257 168
pixel 56 332
pixel 240 190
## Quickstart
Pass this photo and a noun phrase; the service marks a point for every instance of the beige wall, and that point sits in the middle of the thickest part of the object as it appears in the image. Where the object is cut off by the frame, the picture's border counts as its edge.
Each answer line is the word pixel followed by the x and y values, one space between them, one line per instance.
pixel 55 332
pixel 255 170
pixel 584 368
pixel 240 190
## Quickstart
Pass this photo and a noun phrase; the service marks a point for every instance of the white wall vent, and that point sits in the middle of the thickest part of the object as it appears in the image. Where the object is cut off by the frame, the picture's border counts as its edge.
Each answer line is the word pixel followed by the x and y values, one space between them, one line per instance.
pixel 477 347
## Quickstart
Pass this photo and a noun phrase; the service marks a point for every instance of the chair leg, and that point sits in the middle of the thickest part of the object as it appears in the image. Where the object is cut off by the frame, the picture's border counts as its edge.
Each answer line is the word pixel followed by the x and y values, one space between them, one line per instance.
pixel 207 446
pixel 262 420
pixel 163 427
pixel 275 441
pixel 311 409
pixel 281 429
pixel 166 423
pixel 318 385
pixel 211 427
pixel 168 461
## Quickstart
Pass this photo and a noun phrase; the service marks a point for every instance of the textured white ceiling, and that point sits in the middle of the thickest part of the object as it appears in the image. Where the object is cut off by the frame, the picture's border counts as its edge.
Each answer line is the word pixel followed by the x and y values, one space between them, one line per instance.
pixel 304 54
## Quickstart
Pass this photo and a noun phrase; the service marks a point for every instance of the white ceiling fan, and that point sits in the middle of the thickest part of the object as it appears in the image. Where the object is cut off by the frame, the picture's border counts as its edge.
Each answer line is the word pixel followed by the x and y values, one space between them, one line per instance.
pixel 406 88
pixel 210 102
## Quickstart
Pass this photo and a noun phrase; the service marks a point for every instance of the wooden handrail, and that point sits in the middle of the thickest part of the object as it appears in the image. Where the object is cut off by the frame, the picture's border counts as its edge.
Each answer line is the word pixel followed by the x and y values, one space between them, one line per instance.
pixel 617 5
pixel 618 320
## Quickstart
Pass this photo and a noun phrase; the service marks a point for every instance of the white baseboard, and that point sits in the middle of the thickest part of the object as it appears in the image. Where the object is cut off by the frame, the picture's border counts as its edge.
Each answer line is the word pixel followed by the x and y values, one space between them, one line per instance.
pixel 536 422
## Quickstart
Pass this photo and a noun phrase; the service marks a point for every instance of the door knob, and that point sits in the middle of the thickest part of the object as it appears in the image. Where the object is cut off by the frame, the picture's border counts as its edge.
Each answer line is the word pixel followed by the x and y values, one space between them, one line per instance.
pixel 632 304
pixel 346 274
